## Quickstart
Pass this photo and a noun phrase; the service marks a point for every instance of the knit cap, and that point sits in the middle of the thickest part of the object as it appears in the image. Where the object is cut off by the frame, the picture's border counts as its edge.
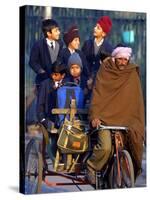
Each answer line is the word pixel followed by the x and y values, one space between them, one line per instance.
pixel 75 59
pixel 71 34
pixel 105 23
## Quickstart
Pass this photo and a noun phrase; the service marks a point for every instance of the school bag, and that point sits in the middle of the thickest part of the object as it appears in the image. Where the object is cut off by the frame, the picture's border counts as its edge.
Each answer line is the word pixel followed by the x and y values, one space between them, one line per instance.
pixel 66 93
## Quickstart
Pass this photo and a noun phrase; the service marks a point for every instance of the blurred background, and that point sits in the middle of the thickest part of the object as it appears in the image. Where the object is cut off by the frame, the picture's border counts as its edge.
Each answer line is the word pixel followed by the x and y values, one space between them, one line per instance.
pixel 128 28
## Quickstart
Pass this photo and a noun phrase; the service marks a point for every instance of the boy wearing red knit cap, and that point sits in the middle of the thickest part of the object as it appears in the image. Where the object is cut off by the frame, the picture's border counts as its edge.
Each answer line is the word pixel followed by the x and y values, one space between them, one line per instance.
pixel 98 48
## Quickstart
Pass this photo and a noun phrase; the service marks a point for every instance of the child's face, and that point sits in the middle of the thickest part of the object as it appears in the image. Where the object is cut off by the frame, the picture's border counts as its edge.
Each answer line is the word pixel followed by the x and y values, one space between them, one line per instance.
pixel 98 31
pixel 75 43
pixel 54 34
pixel 75 70
pixel 57 76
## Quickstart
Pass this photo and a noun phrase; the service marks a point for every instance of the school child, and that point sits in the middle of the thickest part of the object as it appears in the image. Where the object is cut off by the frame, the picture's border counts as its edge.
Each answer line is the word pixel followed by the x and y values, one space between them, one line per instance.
pixel 46 51
pixel 72 42
pixel 77 76
pixel 48 93
pixel 98 48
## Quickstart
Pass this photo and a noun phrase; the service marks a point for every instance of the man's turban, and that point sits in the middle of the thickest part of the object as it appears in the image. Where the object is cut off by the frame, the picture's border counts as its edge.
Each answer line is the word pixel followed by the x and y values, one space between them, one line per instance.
pixel 122 52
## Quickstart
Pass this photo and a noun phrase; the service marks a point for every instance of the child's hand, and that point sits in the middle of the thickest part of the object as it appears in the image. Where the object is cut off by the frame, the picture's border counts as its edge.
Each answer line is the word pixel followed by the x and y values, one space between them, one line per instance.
pixel 90 83
pixel 41 71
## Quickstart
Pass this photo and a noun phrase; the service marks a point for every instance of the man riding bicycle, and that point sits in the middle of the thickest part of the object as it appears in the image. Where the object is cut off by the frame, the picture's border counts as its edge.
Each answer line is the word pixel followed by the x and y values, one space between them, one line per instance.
pixel 117 100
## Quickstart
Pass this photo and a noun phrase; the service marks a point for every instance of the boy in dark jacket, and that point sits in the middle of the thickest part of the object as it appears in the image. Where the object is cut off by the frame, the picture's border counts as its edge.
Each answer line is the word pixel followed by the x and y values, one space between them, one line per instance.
pixel 46 51
pixel 72 41
pixel 47 94
pixel 98 48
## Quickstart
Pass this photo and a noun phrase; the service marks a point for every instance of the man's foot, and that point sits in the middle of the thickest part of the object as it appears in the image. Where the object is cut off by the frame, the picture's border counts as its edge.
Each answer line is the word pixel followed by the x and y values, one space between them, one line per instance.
pixel 91 176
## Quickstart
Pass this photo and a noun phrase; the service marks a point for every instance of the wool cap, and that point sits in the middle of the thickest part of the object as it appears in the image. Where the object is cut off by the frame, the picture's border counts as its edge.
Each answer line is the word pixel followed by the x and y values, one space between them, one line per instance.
pixel 72 33
pixel 75 59
pixel 105 23
pixel 122 52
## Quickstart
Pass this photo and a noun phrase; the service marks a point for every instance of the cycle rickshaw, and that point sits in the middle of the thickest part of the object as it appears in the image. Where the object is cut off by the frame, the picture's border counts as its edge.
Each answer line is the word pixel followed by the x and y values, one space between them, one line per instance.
pixel 74 146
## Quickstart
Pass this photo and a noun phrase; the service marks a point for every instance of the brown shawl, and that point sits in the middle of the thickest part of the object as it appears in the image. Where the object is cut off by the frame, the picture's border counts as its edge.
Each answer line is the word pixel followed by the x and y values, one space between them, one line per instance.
pixel 117 100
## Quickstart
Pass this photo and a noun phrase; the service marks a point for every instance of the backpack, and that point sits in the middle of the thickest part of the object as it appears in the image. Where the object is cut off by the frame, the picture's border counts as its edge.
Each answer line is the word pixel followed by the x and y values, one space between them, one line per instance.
pixel 66 93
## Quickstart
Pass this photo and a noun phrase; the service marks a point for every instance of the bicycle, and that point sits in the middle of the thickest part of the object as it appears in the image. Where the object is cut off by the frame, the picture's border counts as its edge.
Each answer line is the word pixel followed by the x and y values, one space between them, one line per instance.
pixel 119 171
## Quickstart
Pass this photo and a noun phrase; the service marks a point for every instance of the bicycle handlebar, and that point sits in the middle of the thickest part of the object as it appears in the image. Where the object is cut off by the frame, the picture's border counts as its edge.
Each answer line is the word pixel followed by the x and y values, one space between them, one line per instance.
pixel 103 127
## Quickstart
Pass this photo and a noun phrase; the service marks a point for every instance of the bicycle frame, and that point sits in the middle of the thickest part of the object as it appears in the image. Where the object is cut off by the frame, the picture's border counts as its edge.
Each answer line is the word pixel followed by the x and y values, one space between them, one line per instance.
pixel 117 142
pixel 118 145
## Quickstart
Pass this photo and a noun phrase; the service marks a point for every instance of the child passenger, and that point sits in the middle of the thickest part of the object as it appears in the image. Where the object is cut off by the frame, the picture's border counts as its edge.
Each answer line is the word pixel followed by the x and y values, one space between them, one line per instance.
pixel 47 93
pixel 72 41
pixel 76 74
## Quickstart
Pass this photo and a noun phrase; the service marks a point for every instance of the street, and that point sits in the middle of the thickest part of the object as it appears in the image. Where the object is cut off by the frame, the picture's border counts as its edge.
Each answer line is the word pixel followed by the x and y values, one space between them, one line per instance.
pixel 140 182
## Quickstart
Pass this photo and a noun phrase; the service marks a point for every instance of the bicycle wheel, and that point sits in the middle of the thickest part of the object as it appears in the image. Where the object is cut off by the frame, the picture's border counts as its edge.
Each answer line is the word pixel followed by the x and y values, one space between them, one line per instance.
pixel 127 170
pixel 113 182
pixel 124 178
pixel 33 168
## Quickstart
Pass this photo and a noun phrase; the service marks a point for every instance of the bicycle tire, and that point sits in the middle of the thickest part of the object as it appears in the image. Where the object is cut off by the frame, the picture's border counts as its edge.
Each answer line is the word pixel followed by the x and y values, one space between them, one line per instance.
pixel 113 175
pixel 126 171
pixel 33 168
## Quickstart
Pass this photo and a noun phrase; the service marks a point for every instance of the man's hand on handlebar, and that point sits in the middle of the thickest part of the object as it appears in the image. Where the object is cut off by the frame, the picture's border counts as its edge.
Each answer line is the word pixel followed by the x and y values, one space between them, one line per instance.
pixel 96 123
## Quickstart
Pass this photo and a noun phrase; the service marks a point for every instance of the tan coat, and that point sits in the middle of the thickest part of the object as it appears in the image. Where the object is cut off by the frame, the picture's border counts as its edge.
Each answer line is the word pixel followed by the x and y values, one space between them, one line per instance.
pixel 117 100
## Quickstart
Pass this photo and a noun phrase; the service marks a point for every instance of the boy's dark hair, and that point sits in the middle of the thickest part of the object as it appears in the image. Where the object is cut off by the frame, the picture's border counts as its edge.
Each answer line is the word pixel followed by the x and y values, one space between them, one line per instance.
pixel 48 25
pixel 58 67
